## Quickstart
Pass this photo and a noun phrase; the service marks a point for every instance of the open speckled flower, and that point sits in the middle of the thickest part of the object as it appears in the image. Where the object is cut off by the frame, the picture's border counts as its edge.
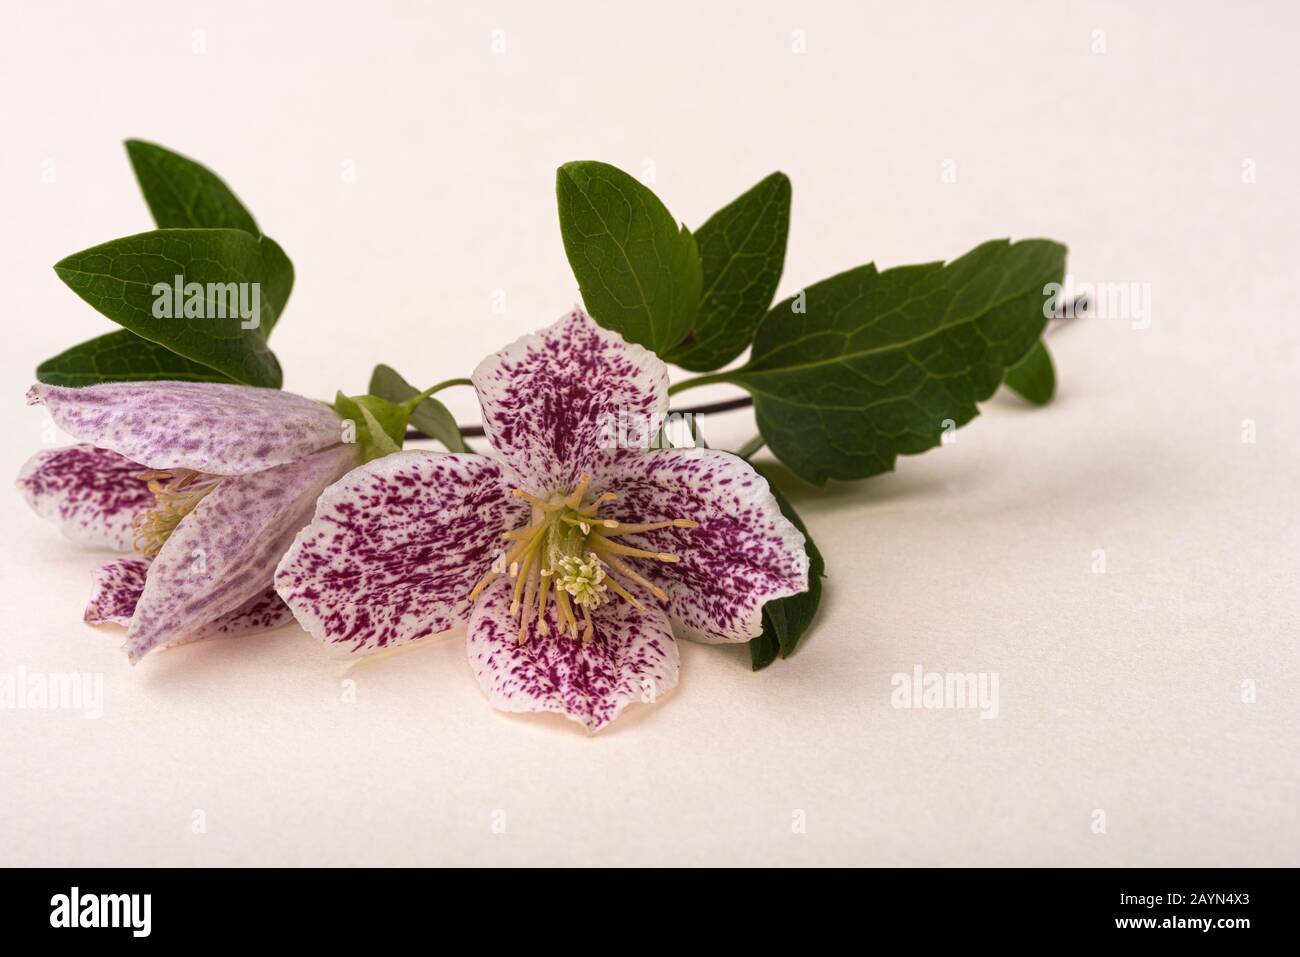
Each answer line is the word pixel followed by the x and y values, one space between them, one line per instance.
pixel 573 565
pixel 209 481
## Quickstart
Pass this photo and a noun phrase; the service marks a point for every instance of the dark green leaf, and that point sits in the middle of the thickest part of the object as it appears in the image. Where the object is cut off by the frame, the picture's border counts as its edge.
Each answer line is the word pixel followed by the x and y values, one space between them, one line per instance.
pixel 639 272
pixel 121 356
pixel 742 253
pixel 277 282
pixel 785 620
pixel 184 194
pixel 118 279
pixel 866 366
pixel 431 417
pixel 1033 378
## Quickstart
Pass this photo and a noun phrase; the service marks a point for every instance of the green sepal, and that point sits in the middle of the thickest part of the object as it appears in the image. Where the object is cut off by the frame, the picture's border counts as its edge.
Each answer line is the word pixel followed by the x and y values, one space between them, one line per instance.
pixel 380 424
pixel 430 416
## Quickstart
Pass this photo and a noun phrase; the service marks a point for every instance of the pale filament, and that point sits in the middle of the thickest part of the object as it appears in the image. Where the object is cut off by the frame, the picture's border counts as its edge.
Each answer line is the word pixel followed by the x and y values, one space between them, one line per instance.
pixel 175 493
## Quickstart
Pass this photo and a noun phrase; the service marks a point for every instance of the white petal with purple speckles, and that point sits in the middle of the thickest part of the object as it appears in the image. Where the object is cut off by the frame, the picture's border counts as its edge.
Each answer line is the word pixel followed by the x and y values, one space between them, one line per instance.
pixel 224 553
pixel 395 548
pixel 119 583
pixel 115 590
pixel 262 612
pixel 92 494
pixel 745 552
pixel 211 427
pixel 551 399
pixel 632 657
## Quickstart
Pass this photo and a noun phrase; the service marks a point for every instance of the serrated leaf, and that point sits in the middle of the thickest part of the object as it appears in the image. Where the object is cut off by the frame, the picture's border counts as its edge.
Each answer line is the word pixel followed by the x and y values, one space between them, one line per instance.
pixel 1033 378
pixel 431 417
pixel 121 356
pixel 742 254
pixel 786 620
pixel 881 364
pixel 118 279
pixel 638 270
pixel 184 194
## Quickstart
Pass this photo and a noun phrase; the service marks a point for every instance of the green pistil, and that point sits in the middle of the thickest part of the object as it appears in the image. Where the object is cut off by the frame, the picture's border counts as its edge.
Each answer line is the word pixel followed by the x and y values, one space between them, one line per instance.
pixel 582 578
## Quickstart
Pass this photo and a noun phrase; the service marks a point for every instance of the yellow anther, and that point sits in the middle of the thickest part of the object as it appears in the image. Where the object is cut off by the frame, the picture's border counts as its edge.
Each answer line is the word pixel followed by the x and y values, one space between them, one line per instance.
pixel 575 498
pixel 536 502
pixel 618 548
pixel 602 499
pixel 566 612
pixel 622 592
pixel 542 592
pixel 175 496
pixel 620 529
pixel 628 572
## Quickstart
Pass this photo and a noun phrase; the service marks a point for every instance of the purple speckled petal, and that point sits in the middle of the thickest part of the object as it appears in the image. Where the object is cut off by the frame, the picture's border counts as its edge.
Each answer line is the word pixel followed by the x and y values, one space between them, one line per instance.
pixel 92 494
pixel 211 427
pixel 224 552
pixel 745 552
pixel 115 590
pixel 396 547
pixel 632 657
pixel 550 400
pixel 119 583
pixel 262 612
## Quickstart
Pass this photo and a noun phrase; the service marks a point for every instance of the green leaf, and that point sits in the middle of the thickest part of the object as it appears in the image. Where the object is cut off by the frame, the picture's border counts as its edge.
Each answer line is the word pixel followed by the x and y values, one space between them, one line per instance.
pixel 785 620
pixel 866 366
pixel 184 194
pixel 431 417
pixel 121 356
pixel 742 253
pixel 639 272
pixel 277 282
pixel 1033 378
pixel 118 279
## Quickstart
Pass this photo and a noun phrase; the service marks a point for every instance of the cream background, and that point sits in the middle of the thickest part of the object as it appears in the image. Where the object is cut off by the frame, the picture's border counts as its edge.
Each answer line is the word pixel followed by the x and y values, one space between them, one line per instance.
pixel 1118 691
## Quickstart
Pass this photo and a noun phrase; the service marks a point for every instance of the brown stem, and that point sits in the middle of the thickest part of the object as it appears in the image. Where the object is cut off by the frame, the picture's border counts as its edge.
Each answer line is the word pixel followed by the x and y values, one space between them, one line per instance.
pixel 744 402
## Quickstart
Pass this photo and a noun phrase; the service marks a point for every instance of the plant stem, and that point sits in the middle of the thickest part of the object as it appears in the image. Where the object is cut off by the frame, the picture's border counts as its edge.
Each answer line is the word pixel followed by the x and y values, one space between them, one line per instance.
pixel 698 380
pixel 728 405
pixel 415 400
pixel 747 450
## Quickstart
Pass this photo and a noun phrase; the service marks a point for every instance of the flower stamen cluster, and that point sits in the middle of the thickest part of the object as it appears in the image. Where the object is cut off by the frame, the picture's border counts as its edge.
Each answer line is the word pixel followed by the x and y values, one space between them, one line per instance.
pixel 175 494
pixel 568 550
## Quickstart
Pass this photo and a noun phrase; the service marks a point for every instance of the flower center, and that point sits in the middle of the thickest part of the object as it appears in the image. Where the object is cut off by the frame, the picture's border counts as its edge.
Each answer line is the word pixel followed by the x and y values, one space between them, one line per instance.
pixel 175 493
pixel 568 549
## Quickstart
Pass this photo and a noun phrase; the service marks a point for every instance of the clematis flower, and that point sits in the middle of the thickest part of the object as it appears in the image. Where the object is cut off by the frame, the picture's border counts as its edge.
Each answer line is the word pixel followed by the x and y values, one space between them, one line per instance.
pixel 209 481
pixel 573 566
